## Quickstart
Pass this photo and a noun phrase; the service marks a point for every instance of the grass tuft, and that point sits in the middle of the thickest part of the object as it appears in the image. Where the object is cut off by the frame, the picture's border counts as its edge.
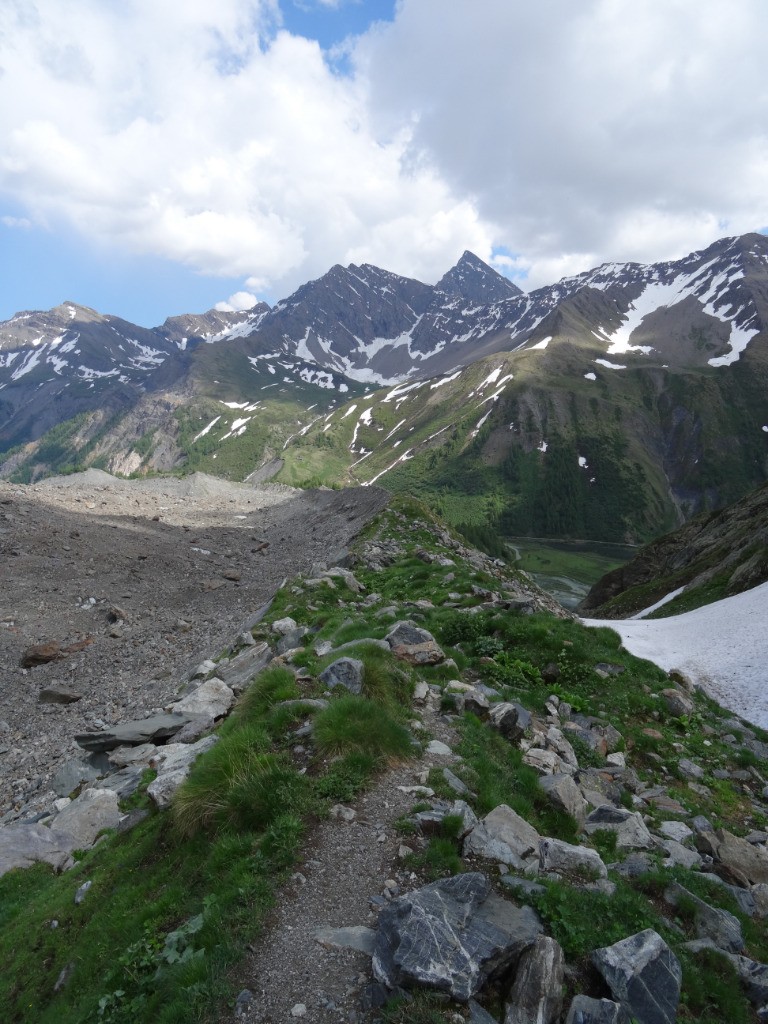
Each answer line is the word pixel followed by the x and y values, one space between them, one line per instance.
pixel 356 723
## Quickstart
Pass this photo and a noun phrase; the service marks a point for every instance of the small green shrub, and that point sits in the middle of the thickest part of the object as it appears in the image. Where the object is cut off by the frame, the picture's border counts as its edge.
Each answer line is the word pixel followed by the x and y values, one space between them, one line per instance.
pixel 356 723
pixel 236 786
pixel 346 777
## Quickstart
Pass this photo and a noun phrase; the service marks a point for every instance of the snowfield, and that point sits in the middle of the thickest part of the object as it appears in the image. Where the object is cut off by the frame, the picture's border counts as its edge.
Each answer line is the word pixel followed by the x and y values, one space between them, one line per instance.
pixel 722 647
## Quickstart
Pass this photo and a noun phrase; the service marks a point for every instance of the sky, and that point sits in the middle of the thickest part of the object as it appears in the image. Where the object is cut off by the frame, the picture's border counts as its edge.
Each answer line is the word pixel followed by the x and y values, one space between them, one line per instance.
pixel 162 157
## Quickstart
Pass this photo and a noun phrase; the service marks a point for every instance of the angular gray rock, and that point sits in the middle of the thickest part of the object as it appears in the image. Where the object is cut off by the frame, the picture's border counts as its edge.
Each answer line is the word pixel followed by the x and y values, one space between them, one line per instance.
pixel 23 845
pixel 555 855
pixel 584 1010
pixel 415 645
pixel 346 672
pixel 565 794
pixel 452 935
pixel 71 775
pixel 631 831
pixel 739 861
pixel 211 699
pixel 537 996
pixel 240 670
pixel 753 977
pixel 510 719
pixel 644 976
pixel 85 817
pixel 503 836
pixel 56 693
pixel 145 730
pixel 710 922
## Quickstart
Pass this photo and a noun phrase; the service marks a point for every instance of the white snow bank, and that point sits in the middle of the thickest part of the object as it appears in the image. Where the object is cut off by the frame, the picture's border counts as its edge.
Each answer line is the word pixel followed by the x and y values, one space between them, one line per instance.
pixel 723 647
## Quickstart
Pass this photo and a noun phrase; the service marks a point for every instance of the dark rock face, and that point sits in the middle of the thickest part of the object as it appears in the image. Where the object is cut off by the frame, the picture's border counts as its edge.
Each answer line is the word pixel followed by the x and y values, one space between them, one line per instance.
pixel 474 280
pixel 452 935
pixel 644 976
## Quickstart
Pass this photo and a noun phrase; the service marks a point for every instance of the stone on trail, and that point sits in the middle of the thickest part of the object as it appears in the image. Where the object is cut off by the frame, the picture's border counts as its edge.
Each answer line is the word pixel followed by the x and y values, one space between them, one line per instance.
pixel 415 645
pixel 644 976
pixel 346 672
pixel 452 935
pixel 537 992
pixel 356 937
pixel 41 654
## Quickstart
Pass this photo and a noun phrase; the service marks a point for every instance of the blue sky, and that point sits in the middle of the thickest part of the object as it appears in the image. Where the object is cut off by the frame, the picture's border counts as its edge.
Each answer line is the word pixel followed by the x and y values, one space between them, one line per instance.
pixel 247 146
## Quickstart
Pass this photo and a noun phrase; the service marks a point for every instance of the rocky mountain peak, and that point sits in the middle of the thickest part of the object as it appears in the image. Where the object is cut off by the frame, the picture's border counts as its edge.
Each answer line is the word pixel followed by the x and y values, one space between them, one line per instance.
pixel 473 279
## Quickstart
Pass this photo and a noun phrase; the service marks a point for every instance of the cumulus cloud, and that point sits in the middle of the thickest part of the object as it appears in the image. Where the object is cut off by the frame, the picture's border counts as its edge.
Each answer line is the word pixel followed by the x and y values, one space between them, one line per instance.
pixel 208 136
pixel 559 133
pixel 237 302
pixel 584 131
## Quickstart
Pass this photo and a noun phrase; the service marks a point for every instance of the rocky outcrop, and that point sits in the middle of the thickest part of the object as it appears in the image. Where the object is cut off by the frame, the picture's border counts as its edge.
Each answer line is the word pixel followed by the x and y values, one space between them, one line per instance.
pixel 452 935
pixel 644 976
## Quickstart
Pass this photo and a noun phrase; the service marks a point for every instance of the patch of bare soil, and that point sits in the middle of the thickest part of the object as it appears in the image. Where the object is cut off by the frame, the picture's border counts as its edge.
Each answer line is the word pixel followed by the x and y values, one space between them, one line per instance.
pixel 141 580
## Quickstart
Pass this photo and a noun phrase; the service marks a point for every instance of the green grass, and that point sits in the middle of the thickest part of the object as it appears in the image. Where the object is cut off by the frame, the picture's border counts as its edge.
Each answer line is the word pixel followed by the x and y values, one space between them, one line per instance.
pixel 353 723
pixel 584 566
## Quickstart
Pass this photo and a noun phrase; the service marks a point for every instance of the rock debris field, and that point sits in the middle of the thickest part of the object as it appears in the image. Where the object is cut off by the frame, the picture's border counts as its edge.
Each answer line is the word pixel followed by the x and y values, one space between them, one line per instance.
pixel 129 584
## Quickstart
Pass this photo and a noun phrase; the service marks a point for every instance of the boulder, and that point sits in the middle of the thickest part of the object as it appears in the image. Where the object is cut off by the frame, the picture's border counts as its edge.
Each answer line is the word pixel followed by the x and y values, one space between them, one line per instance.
pixel 452 935
pixel 563 792
pixel 556 855
pixel 631 831
pixel 545 761
pixel 677 703
pixel 415 645
pixel 25 844
pixel 284 626
pixel 644 976
pixel 584 1010
pixel 41 654
pixel 174 762
pixel 753 977
pixel 510 719
pixel 710 922
pixel 93 811
pixel 346 672
pixel 537 992
pixel 211 699
pixel 739 861
pixel 145 730
pixel 71 775
pixel 241 669
pixel 677 854
pixel 676 830
pixel 502 836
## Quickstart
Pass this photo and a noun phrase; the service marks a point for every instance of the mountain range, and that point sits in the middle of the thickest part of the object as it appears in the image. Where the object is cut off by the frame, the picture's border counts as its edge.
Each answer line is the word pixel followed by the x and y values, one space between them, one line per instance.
pixel 612 404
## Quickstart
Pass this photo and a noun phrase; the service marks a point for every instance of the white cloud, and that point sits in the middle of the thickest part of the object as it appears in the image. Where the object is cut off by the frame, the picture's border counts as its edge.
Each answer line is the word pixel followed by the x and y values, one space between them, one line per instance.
pixel 16 222
pixel 563 133
pixel 237 302
pixel 599 129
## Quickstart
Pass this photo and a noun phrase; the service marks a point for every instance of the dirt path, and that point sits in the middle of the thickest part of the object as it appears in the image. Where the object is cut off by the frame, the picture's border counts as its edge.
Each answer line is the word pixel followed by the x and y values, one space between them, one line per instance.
pixel 345 866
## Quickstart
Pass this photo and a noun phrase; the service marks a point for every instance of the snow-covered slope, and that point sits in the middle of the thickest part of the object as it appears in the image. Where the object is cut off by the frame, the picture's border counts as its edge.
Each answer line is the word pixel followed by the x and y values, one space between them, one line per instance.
pixel 722 647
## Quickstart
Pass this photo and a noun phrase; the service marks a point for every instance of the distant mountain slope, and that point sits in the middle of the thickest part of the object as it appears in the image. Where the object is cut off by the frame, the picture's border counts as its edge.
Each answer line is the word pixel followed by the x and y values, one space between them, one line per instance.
pixel 715 555
pixel 617 403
